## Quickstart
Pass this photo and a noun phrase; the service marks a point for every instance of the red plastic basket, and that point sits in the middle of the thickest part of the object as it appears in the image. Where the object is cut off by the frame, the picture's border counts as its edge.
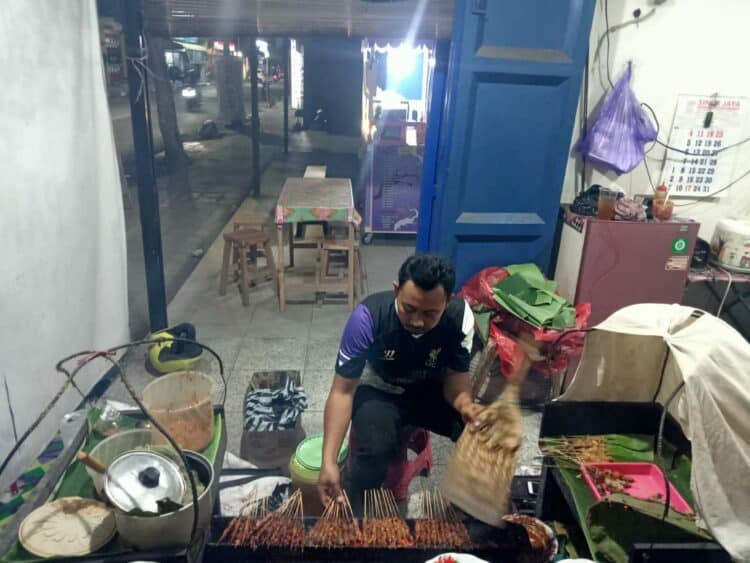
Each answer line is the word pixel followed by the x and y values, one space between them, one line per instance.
pixel 648 483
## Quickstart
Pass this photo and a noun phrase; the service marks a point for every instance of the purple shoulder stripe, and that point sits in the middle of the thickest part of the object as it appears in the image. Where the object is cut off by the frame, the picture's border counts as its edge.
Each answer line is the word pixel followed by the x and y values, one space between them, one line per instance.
pixel 358 335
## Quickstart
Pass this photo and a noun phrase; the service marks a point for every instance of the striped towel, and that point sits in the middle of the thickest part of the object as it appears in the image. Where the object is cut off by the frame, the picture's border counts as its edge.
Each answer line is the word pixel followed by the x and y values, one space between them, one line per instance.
pixel 267 410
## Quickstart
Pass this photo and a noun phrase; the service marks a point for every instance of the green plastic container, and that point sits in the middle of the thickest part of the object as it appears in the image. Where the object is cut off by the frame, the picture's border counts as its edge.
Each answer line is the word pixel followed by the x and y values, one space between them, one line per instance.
pixel 304 469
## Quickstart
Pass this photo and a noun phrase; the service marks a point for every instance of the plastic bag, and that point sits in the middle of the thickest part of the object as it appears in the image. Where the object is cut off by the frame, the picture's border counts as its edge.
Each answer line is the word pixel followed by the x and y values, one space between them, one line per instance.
pixel 557 351
pixel 618 134
pixel 505 328
pixel 509 352
pixel 479 291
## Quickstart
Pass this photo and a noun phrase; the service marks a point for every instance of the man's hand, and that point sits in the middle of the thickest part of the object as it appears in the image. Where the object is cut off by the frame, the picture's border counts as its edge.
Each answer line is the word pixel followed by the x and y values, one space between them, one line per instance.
pixel 329 484
pixel 470 413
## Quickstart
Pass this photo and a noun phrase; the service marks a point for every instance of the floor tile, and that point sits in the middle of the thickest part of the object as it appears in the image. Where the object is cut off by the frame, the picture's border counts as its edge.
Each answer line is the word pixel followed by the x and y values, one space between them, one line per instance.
pixel 269 322
pixel 329 320
pixel 322 353
pixel 312 422
pixel 260 354
pixel 442 448
pixel 317 384
pixel 235 417
pixel 223 311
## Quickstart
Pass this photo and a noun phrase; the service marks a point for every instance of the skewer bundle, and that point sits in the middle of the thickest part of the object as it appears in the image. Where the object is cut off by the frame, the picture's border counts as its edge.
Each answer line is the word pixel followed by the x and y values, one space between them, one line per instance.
pixel 383 525
pixel 440 525
pixel 337 527
pixel 577 450
pixel 241 528
pixel 283 528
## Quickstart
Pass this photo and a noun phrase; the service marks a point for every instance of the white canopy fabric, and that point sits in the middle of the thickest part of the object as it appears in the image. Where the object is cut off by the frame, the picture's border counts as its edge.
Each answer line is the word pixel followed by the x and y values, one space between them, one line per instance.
pixel 622 361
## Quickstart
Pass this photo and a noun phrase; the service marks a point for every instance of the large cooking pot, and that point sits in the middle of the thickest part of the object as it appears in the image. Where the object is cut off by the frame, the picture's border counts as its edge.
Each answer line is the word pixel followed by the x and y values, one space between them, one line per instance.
pixel 172 529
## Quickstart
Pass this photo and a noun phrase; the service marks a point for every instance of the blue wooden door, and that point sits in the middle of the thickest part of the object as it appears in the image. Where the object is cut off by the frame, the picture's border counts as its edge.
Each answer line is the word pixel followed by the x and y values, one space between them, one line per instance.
pixel 513 82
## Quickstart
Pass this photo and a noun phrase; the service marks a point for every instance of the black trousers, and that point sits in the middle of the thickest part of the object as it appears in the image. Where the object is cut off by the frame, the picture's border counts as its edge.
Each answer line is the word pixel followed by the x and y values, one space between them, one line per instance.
pixel 378 419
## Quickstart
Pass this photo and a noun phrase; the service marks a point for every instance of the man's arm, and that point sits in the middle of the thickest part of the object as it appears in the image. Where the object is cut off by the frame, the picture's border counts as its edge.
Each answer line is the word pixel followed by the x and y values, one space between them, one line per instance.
pixel 356 340
pixel 457 391
pixel 457 388
pixel 336 418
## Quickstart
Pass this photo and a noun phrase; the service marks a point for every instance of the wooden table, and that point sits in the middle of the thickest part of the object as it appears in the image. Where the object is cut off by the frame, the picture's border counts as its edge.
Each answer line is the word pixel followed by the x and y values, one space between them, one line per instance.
pixel 314 199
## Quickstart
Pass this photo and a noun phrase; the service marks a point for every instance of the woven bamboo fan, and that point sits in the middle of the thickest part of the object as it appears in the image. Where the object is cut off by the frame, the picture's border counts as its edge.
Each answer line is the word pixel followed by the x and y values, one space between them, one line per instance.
pixel 480 471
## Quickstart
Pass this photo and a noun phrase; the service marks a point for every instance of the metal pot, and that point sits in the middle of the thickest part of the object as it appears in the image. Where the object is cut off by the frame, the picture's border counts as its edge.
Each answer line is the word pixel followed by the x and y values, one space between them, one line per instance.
pixel 172 529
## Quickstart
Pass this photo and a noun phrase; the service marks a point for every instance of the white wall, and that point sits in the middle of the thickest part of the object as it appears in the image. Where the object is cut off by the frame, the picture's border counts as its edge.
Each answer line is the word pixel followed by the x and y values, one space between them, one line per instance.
pixel 685 47
pixel 63 285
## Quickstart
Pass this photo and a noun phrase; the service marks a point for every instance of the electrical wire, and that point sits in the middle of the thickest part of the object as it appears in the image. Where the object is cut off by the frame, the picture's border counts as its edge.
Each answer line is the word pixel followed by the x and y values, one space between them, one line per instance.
pixel 717 192
pixel 69 380
pixel 10 410
pixel 107 355
pixel 585 118
pixel 717 151
pixel 606 33
pixel 726 292
pixel 648 173
pixel 609 29
pixel 683 151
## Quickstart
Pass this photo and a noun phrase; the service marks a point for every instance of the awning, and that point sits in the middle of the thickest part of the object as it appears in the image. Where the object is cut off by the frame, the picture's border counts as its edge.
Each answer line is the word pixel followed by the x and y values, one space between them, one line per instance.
pixel 421 19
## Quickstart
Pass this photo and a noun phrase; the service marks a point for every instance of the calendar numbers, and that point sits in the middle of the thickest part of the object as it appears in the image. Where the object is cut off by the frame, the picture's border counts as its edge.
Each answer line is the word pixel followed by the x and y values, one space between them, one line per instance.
pixel 701 164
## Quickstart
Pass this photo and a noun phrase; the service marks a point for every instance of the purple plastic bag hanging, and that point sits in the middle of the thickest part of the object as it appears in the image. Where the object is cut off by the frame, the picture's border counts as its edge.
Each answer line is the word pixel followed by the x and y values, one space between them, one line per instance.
pixel 618 134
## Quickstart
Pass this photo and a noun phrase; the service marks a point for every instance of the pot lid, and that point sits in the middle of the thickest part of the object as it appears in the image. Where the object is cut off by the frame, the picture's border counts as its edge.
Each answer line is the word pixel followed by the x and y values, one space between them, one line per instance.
pixel 139 480
pixel 309 453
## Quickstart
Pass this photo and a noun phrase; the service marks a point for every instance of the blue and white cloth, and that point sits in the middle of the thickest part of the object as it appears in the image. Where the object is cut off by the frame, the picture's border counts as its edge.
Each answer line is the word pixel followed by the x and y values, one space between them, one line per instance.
pixel 267 410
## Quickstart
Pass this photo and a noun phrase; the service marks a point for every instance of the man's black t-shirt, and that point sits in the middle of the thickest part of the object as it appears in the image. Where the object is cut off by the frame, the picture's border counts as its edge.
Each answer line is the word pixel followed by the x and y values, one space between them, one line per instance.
pixel 376 344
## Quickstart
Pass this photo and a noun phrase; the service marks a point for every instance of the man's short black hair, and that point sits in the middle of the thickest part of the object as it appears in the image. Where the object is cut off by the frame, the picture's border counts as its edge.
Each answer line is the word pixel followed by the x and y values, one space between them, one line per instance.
pixel 427 271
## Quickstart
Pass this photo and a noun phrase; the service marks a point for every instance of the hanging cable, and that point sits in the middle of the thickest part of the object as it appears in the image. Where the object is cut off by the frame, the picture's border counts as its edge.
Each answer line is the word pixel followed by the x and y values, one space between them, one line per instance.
pixel 726 292
pixel 648 173
pixel 606 33
pixel 683 151
pixel 585 117
pixel 717 192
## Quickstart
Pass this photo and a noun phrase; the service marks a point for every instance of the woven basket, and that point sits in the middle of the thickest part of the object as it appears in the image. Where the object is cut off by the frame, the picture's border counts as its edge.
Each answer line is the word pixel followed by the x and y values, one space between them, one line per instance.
pixel 478 476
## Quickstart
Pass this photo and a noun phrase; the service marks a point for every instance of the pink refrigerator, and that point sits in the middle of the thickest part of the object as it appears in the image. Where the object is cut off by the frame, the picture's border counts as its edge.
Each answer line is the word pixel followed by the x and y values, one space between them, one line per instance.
pixel 612 264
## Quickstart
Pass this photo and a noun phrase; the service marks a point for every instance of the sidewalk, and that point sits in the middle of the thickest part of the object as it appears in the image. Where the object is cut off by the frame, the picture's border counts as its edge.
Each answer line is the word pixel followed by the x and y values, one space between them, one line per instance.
pixel 191 216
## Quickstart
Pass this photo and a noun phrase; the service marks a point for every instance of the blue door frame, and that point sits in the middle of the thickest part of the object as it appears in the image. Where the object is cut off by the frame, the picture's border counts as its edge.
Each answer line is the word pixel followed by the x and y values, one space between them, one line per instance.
pixel 498 154
pixel 432 144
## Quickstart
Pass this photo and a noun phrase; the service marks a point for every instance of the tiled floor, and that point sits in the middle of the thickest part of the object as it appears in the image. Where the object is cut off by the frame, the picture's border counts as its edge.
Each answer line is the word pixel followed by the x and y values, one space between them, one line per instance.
pixel 305 337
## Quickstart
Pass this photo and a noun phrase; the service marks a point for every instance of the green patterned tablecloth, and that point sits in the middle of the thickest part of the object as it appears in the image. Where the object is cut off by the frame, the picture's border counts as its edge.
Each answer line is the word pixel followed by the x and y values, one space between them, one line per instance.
pixel 316 199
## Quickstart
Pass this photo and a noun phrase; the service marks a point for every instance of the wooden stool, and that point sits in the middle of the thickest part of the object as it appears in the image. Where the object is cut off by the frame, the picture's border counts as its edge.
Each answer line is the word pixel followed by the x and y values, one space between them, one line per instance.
pixel 243 244
pixel 256 219
pixel 337 281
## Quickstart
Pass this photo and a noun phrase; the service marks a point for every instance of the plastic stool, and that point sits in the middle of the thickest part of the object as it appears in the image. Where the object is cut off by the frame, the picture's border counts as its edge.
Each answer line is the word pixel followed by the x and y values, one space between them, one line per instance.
pixel 402 471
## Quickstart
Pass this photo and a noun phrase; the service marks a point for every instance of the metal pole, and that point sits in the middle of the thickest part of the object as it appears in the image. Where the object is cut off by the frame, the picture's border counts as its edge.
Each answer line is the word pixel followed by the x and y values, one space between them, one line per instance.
pixel 148 195
pixel 287 66
pixel 255 119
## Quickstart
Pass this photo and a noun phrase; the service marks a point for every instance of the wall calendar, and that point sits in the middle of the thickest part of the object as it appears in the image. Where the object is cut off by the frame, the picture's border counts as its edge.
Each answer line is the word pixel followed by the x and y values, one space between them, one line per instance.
pixel 703 126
